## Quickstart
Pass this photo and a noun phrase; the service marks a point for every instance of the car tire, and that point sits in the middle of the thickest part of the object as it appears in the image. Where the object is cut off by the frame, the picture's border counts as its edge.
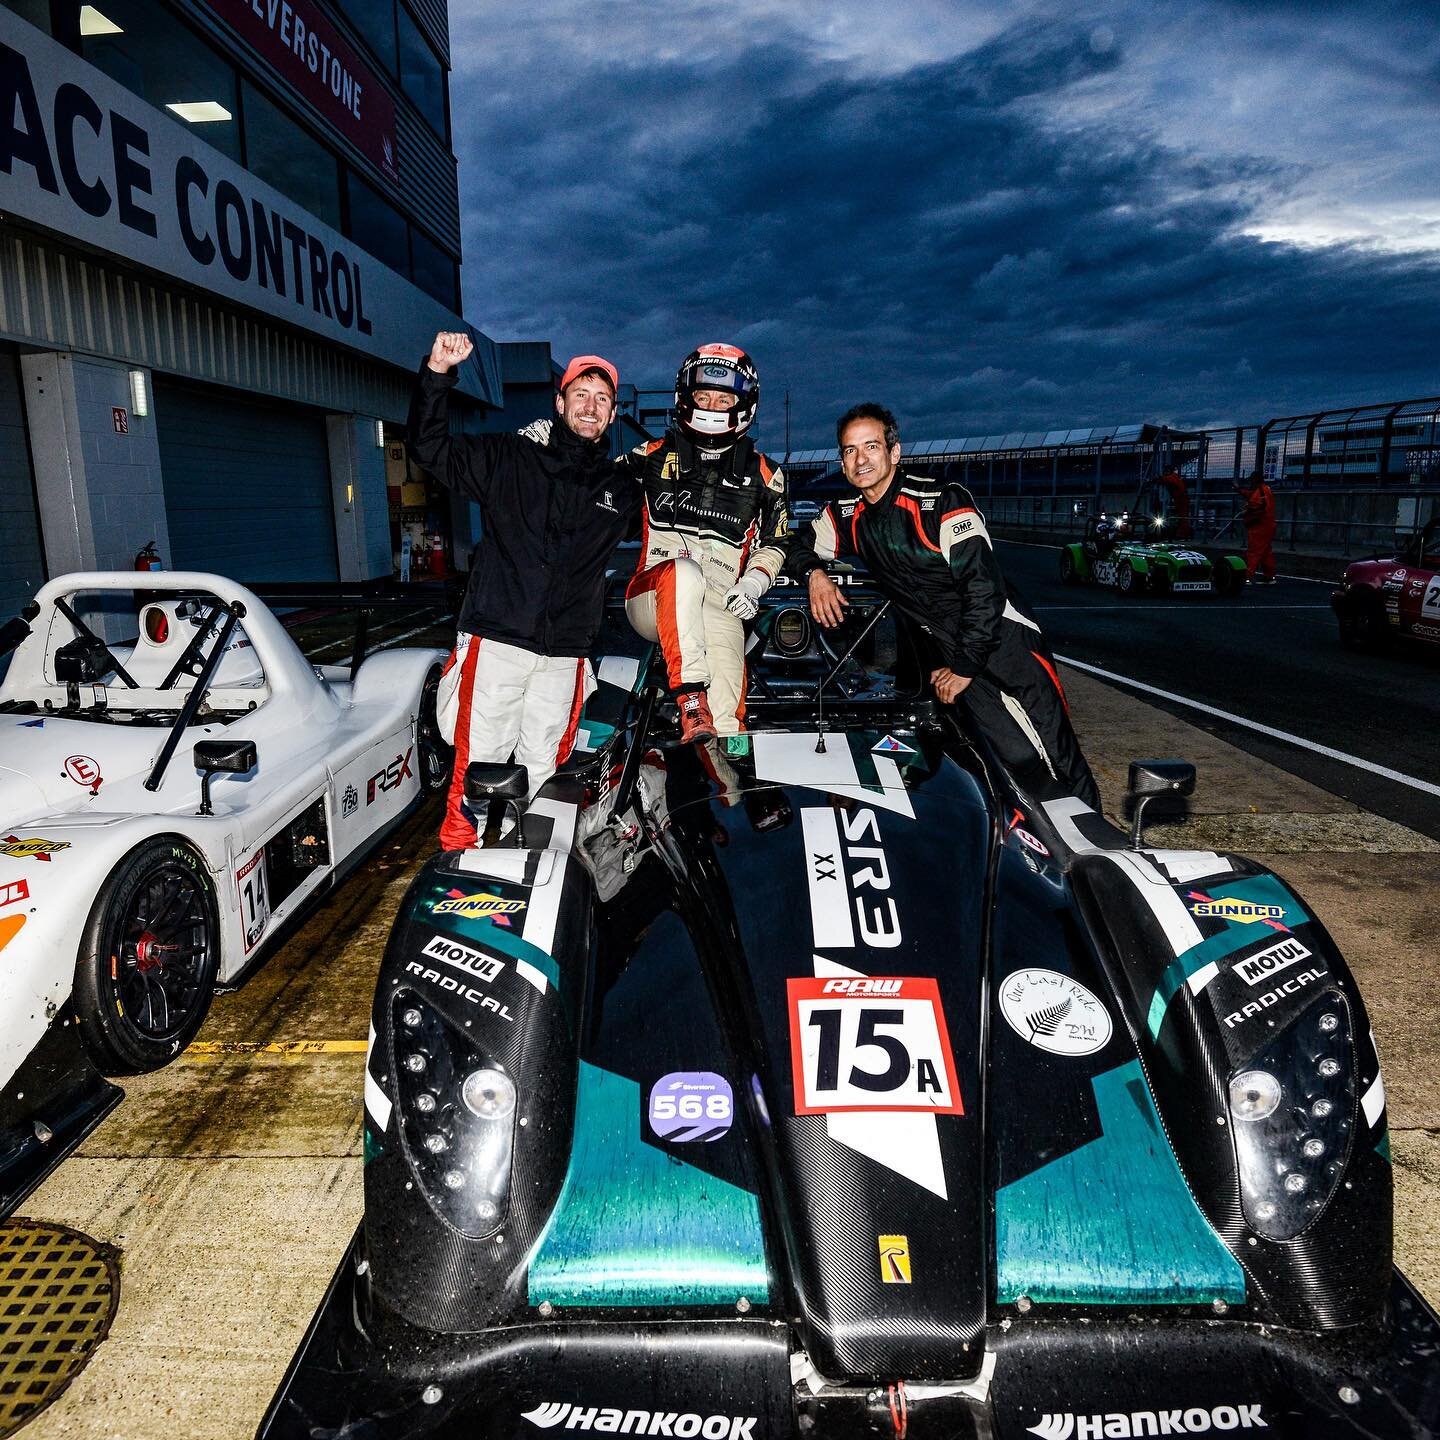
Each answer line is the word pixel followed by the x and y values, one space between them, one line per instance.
pixel 1068 575
pixel 1363 627
pixel 145 974
pixel 1127 582
pixel 436 757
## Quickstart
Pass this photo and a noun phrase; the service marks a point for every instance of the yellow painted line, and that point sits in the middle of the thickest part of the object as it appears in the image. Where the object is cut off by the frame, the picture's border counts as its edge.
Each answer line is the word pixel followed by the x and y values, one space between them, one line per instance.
pixel 202 1051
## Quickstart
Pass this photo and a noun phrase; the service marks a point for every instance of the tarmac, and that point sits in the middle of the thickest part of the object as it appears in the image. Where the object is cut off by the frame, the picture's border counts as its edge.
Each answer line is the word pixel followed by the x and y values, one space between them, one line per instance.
pixel 231 1181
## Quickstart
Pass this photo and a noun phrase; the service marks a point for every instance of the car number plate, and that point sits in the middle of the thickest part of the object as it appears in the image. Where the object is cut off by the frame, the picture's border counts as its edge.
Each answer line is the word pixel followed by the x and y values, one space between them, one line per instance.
pixel 1182 585
pixel 871 1043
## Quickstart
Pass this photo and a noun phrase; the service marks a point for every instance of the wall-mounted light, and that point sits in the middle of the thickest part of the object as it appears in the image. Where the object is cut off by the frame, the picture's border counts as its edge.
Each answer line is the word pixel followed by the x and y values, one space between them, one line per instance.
pixel 139 396
pixel 92 22
pixel 199 112
pixel 379 434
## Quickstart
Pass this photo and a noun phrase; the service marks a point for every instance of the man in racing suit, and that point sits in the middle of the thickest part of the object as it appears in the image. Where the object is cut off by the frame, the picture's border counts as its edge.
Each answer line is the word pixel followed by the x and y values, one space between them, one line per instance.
pixel 926 546
pixel 554 510
pixel 713 540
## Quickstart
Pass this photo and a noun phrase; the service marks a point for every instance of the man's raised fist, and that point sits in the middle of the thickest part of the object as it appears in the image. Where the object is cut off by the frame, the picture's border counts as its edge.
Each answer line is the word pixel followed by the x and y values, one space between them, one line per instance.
pixel 451 348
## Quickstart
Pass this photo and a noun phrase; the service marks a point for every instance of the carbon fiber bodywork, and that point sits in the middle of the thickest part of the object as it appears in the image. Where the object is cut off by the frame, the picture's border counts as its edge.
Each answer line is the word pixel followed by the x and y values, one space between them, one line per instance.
pixel 858 1093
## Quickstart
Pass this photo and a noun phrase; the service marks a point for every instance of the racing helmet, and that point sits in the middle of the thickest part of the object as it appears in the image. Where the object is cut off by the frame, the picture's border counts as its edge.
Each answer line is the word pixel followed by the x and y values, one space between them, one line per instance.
pixel 716 367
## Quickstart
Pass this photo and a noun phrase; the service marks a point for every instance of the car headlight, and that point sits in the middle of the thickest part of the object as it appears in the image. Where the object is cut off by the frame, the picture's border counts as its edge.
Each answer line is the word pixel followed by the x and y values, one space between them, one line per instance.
pixel 457 1117
pixel 1254 1095
pixel 1294 1107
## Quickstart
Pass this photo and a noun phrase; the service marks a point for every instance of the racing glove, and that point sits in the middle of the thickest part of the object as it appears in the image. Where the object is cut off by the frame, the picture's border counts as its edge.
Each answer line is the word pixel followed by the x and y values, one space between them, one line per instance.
pixel 743 597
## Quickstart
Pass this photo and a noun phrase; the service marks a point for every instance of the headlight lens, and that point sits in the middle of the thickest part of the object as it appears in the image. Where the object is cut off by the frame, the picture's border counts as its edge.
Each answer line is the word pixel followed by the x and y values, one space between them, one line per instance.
pixel 1254 1095
pixel 1294 1107
pixel 457 1117
pixel 489 1094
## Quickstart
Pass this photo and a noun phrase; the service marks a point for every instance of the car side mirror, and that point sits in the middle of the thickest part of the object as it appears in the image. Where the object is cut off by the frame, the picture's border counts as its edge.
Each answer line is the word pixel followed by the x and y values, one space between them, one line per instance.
pixel 222 757
pixel 1150 778
pixel 487 781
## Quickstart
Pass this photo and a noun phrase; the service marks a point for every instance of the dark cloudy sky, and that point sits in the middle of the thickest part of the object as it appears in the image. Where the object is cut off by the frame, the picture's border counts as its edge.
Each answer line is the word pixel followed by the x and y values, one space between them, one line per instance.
pixel 988 215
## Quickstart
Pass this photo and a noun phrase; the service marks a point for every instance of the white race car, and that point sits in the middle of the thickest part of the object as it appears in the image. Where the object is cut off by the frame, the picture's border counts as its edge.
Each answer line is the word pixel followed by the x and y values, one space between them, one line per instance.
pixel 167 803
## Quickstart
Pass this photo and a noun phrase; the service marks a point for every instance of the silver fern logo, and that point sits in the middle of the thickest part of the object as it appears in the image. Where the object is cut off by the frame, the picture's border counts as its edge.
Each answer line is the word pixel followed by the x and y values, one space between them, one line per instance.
pixel 1054 1012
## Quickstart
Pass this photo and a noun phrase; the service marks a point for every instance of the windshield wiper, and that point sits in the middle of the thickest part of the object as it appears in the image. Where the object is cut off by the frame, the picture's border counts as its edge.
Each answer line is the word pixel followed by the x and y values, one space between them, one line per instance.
pixel 840 664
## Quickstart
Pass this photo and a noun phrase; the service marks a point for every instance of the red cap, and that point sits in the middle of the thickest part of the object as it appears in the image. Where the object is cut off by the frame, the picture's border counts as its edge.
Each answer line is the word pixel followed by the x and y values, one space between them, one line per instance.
pixel 581 363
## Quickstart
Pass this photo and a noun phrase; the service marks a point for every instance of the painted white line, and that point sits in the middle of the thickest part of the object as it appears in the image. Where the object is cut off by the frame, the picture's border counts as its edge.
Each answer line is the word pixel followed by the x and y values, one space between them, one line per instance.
pixel 371 649
pixel 1400 779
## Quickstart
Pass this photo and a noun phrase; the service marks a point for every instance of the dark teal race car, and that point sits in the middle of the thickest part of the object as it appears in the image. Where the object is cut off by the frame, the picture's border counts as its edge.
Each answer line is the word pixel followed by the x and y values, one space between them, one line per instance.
pixel 1111 553
pixel 835 1083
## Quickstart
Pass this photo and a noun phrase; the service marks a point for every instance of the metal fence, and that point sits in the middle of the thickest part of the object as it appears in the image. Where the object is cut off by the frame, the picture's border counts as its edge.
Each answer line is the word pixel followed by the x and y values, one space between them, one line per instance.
pixel 1339 523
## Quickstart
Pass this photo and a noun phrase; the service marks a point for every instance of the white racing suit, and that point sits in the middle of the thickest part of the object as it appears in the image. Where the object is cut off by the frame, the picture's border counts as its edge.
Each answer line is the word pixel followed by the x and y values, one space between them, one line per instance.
pixel 532 708
pixel 707 521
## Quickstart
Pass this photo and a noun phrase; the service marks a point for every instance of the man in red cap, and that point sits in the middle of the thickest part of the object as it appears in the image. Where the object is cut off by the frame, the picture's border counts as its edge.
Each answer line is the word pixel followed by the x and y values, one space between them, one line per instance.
pixel 553 512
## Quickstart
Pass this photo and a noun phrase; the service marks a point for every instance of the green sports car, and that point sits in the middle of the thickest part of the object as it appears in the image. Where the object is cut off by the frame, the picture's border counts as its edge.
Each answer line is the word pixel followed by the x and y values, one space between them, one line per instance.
pixel 1109 554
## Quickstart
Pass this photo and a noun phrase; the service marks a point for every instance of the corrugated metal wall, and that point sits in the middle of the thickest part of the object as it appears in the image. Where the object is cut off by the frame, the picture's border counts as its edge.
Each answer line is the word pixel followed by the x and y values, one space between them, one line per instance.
pixel 22 570
pixel 428 182
pixel 247 486
pixel 67 302
pixel 434 19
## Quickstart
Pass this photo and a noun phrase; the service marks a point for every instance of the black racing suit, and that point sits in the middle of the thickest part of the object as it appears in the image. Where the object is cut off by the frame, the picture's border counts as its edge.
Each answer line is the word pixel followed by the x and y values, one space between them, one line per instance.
pixel 926 546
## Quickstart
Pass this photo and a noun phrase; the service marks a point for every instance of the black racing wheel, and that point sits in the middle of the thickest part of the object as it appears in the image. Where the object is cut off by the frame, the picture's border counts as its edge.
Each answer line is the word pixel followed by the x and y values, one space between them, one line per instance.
pixel 436 757
pixel 146 969
pixel 1127 582
pixel 1067 568
pixel 1363 625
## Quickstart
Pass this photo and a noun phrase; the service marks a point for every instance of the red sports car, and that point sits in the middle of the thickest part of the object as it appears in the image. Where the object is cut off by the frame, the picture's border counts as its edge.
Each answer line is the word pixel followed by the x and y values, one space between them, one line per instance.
pixel 1395 596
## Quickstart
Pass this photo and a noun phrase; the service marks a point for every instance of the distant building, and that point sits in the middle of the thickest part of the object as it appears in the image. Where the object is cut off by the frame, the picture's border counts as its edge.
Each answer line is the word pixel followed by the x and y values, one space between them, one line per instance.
pixel 230 232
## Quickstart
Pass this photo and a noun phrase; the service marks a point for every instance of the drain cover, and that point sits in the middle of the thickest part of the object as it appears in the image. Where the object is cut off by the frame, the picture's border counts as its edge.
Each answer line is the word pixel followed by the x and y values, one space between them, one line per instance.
pixel 58 1292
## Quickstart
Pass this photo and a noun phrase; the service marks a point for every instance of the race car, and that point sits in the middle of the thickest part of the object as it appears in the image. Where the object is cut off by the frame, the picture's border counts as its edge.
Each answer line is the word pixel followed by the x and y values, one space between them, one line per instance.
pixel 1112 553
pixel 169 802
pixel 1397 596
pixel 832 1081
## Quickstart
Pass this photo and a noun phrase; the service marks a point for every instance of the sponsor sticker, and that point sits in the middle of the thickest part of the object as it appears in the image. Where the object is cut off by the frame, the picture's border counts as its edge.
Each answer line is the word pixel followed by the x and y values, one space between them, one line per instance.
pixel 451 985
pixel 1263 1002
pixel 630 1421
pixel 478 906
pixel 390 778
pixel 876 1043
pixel 1243 912
pixel 848 878
pixel 1270 961
pixel 474 963
pixel 349 802
pixel 13 891
pixel 737 744
pixel 84 771
pixel 1125 1423
pixel 32 847
pixel 1030 842
pixel 891 746
pixel 894 1259
pixel 1181 586
pixel 1054 1012
pixel 691 1105
pixel 254 899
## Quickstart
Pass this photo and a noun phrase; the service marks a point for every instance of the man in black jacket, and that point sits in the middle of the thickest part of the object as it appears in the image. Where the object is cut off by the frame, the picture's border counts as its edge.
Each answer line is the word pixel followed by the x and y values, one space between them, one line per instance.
pixel 926 546
pixel 553 513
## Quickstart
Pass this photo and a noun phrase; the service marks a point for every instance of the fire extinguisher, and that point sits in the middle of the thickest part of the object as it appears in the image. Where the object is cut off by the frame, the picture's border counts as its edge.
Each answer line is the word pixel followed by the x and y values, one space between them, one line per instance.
pixel 148 558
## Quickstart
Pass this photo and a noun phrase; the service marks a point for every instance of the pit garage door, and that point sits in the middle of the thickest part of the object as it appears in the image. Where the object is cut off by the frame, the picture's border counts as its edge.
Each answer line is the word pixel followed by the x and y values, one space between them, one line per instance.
pixel 247 485
pixel 22 559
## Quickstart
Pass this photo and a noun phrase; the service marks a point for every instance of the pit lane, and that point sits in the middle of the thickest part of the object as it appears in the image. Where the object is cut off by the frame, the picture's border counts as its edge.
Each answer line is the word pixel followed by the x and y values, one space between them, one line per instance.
pixel 1272 656
pixel 231 1181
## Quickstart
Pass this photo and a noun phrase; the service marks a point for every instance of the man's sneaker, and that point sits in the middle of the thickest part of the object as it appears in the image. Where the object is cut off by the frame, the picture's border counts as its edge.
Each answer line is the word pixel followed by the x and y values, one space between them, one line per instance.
pixel 695 720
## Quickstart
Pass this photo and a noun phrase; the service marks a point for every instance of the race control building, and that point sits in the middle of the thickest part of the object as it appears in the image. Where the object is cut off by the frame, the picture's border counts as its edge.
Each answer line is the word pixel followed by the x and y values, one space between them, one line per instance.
pixel 228 231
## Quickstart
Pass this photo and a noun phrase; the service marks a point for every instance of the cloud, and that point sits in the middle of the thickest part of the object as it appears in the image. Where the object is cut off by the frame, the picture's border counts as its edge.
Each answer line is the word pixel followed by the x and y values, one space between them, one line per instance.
pixel 1006 218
